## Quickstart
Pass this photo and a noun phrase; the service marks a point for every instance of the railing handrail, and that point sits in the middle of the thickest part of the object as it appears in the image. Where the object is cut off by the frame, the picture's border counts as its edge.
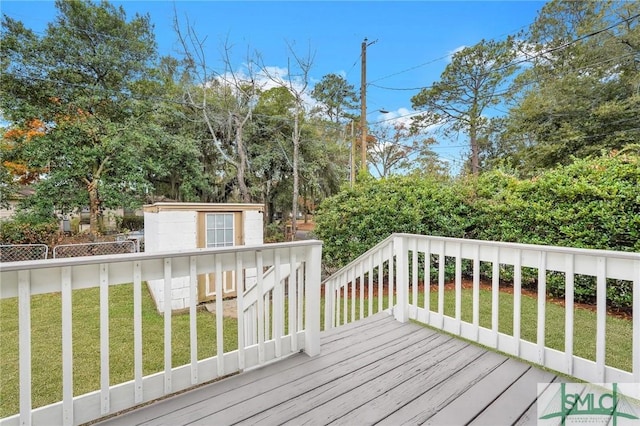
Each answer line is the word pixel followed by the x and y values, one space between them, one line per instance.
pixel 506 244
pixel 129 257
pixel 523 246
pixel 382 244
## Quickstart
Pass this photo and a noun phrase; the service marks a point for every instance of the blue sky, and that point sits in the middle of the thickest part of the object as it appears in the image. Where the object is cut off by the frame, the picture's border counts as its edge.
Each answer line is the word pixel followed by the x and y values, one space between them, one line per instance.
pixel 413 39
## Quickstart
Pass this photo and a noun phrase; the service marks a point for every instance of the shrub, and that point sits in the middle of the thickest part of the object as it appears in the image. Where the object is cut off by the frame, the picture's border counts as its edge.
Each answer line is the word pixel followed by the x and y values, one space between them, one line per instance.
pixel 132 223
pixel 591 203
pixel 24 230
pixel 357 218
pixel 274 233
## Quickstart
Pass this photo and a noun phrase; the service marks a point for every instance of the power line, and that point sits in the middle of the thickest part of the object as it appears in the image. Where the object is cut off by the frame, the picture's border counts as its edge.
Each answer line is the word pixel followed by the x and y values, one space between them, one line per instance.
pixel 434 60
pixel 408 69
pixel 517 62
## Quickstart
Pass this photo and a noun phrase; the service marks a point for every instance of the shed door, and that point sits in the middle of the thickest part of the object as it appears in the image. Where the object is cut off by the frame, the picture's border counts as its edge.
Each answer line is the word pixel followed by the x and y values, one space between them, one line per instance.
pixel 223 229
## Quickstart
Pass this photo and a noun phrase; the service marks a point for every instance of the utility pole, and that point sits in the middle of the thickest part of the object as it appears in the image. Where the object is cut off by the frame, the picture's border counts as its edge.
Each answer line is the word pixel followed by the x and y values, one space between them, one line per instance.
pixel 363 106
pixel 352 170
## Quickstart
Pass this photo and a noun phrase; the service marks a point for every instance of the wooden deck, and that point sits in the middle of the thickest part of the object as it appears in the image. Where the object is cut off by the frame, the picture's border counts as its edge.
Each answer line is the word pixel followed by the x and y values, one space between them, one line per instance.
pixel 372 371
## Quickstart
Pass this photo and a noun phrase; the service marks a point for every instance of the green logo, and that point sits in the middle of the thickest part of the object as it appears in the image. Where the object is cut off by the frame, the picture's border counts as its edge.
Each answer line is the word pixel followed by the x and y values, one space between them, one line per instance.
pixel 584 403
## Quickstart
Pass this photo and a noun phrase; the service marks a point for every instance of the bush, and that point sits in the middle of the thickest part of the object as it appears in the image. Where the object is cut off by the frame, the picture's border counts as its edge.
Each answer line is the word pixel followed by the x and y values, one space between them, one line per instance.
pixel 22 230
pixel 356 219
pixel 132 223
pixel 591 203
pixel 274 233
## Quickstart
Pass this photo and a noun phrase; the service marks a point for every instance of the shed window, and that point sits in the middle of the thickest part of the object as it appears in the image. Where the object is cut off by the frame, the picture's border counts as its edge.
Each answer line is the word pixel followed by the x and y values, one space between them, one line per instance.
pixel 219 229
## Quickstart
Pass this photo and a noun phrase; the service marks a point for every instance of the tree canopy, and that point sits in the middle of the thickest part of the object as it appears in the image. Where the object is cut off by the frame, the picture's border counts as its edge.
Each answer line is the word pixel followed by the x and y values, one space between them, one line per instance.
pixel 579 96
pixel 83 80
pixel 471 83
pixel 95 119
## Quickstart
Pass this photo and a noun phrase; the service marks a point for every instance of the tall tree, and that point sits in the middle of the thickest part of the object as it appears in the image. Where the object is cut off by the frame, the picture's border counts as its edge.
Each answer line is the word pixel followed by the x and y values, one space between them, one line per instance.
pixel 15 170
pixel 270 148
pixel 84 79
pixel 475 80
pixel 395 148
pixel 580 95
pixel 175 157
pixel 224 102
pixel 337 99
pixel 335 113
pixel 296 81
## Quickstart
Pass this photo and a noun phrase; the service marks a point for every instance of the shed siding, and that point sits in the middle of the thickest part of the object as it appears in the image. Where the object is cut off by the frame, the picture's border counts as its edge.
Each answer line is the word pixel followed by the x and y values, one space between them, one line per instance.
pixel 174 226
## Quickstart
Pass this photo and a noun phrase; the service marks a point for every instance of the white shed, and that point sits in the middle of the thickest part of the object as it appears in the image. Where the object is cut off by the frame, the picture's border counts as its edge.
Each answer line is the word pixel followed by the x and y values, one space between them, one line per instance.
pixel 183 226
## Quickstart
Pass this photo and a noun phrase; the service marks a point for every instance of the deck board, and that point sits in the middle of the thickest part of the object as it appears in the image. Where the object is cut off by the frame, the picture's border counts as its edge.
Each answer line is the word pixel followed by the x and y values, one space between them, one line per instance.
pixel 372 371
pixel 323 386
pixel 515 401
pixel 476 398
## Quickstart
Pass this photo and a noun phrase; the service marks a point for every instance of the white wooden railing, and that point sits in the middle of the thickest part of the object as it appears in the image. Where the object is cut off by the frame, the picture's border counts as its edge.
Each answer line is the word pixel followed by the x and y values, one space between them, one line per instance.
pixel 261 323
pixel 393 268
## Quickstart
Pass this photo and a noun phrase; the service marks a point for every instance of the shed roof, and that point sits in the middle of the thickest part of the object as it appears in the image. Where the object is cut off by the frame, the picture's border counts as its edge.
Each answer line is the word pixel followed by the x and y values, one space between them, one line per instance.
pixel 202 207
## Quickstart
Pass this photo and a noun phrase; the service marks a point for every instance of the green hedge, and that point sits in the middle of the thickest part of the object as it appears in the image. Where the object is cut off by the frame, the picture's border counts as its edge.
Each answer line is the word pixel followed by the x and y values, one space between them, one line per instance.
pixel 592 203
pixel 356 219
pixel 22 231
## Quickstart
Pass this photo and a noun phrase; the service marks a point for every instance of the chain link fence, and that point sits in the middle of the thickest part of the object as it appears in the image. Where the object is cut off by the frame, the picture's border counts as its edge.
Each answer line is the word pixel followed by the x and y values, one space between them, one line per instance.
pixel 21 252
pixel 94 249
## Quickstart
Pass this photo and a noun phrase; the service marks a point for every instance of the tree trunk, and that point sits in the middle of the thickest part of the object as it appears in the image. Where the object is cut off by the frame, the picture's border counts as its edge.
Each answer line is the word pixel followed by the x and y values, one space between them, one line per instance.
pixel 94 207
pixel 294 204
pixel 475 163
pixel 304 207
pixel 242 166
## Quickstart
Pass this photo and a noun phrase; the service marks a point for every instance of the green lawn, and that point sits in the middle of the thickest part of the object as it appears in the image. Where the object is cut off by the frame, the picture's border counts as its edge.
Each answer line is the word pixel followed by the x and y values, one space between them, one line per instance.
pixel 46 338
pixel 47 346
pixel 618 330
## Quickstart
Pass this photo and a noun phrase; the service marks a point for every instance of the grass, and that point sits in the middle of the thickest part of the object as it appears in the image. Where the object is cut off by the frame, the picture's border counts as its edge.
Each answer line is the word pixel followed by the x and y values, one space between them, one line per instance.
pixel 618 330
pixel 46 337
pixel 47 347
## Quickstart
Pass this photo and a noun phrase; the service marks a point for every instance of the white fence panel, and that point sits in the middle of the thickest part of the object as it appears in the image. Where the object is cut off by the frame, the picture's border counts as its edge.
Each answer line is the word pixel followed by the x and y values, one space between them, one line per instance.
pixel 24 280
pixel 520 264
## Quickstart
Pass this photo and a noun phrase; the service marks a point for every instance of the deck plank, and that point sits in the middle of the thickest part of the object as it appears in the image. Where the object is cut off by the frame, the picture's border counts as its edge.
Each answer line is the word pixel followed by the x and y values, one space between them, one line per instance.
pixel 417 399
pixel 375 370
pixel 390 389
pixel 515 401
pixel 324 386
pixel 457 387
pixel 477 397
pixel 368 329
pixel 363 339
pixel 530 417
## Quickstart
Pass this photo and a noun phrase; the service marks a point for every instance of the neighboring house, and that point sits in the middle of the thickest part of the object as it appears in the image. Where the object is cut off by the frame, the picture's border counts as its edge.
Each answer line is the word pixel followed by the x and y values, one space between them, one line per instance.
pixel 14 201
pixel 109 215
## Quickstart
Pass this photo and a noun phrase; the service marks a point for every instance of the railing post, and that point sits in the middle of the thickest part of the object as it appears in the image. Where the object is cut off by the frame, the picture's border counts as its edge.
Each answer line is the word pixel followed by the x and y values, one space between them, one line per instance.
pixel 312 300
pixel 635 327
pixel 329 307
pixel 24 345
pixel 401 309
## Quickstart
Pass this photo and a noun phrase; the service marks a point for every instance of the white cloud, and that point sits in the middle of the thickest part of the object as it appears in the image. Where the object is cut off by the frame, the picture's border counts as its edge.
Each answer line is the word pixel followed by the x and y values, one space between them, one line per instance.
pixel 402 116
pixel 270 77
pixel 454 51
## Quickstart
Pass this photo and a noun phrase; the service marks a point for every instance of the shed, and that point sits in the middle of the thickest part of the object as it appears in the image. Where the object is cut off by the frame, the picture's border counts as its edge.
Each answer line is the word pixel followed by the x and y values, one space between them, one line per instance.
pixel 185 226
